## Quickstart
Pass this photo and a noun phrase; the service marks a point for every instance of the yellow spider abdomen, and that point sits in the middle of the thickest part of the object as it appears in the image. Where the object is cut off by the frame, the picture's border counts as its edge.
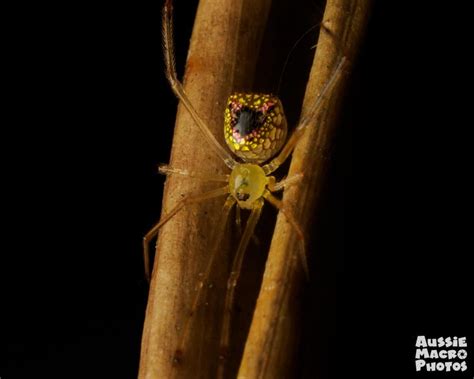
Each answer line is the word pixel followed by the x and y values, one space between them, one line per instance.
pixel 255 126
pixel 247 182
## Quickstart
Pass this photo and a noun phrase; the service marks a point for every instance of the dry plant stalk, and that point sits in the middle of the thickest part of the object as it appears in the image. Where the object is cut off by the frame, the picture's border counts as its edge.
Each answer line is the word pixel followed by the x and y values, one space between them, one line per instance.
pixel 221 57
pixel 271 345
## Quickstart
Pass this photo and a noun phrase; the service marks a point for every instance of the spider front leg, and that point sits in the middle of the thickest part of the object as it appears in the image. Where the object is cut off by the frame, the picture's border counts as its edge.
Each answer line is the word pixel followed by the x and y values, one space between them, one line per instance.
pixel 307 120
pixel 177 87
pixel 188 199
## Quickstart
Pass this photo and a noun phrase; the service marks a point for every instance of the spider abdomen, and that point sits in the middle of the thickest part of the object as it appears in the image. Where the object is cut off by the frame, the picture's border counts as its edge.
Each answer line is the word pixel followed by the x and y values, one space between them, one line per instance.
pixel 255 126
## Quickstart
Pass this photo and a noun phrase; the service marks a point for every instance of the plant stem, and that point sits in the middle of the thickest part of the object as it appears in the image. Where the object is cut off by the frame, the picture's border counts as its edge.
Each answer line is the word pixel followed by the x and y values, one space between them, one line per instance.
pixel 271 346
pixel 221 57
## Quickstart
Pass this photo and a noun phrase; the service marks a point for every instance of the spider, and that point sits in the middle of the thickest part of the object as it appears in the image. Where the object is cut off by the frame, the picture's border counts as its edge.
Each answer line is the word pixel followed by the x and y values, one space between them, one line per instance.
pixel 255 131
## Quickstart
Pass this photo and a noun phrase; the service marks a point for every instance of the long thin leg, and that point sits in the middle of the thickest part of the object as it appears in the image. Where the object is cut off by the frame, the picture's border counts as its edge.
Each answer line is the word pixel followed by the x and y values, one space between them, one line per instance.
pixel 306 120
pixel 238 224
pixel 277 203
pixel 165 169
pixel 177 87
pixel 188 199
pixel 274 186
pixel 232 281
pixel 218 235
pixel 238 221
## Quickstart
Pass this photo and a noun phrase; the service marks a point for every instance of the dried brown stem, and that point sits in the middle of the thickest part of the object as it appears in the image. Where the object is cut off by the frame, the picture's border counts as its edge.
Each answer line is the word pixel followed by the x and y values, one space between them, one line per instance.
pixel 221 57
pixel 271 345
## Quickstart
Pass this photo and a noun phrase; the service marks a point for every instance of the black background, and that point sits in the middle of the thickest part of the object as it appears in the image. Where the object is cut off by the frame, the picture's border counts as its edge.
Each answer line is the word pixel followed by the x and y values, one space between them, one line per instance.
pixel 89 115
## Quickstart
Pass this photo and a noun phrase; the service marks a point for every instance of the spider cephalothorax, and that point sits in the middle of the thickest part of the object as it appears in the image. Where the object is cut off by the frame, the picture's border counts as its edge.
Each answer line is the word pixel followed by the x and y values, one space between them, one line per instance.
pixel 247 183
pixel 255 126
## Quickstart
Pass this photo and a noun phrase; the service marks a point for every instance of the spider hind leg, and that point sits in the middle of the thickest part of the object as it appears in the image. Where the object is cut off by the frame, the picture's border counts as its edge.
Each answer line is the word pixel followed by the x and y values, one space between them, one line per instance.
pixel 232 283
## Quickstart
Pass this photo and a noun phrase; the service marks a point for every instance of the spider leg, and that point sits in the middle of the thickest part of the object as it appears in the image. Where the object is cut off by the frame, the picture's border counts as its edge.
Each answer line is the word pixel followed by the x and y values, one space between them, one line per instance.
pixel 232 281
pixel 274 186
pixel 167 170
pixel 306 120
pixel 277 203
pixel 238 224
pixel 177 87
pixel 238 221
pixel 188 199
pixel 218 235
